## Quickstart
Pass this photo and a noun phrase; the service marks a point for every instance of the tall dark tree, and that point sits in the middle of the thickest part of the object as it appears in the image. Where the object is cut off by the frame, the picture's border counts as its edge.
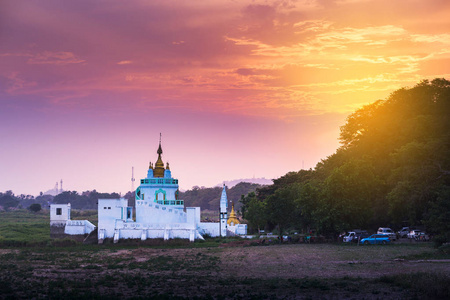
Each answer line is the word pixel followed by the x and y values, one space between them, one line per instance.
pixel 281 208
pixel 8 200
pixel 254 211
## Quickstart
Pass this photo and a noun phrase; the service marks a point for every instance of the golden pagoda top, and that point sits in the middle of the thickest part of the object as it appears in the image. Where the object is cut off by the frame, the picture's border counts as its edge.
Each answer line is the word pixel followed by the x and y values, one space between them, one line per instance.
pixel 233 220
pixel 158 170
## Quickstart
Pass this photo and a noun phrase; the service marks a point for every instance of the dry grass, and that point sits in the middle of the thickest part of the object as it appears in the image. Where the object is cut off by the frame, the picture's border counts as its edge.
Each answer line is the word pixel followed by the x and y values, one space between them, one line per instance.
pixel 300 271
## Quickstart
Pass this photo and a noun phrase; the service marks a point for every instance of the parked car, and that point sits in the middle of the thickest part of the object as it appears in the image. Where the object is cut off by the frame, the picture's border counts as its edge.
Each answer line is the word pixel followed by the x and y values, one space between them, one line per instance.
pixel 354 236
pixel 387 231
pixel 422 236
pixel 404 232
pixel 412 234
pixel 376 239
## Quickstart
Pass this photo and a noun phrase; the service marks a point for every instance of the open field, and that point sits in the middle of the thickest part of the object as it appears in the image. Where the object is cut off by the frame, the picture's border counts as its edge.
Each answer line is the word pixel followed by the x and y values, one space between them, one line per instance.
pixel 24 228
pixel 179 270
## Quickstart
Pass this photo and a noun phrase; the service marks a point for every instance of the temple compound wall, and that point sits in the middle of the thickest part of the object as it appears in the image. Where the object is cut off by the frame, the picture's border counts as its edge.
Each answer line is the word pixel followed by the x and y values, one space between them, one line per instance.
pixel 161 221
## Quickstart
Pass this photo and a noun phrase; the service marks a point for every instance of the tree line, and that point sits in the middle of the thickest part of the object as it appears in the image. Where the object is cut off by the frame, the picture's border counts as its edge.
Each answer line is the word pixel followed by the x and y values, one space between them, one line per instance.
pixel 9 201
pixel 85 200
pixel 392 169
pixel 206 198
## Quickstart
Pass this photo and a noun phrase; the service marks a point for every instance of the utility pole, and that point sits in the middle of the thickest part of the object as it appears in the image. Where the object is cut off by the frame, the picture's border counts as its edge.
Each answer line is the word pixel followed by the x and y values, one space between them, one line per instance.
pixel 132 179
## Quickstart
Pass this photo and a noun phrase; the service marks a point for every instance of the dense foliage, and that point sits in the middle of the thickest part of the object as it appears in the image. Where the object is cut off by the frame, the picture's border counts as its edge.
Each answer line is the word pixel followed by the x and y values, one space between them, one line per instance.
pixel 392 170
pixel 87 200
pixel 9 201
pixel 35 207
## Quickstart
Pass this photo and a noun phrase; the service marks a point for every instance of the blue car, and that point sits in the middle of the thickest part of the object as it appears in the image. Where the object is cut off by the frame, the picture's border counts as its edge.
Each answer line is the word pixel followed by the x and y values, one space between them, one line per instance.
pixel 376 239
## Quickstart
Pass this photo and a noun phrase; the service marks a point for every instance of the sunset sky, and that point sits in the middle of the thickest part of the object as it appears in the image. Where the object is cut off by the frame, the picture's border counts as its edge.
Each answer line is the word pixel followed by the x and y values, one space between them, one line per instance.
pixel 238 89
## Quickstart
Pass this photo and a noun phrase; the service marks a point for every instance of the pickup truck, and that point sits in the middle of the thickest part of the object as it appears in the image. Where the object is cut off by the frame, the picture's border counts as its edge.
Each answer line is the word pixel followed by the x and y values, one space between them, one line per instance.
pixel 354 236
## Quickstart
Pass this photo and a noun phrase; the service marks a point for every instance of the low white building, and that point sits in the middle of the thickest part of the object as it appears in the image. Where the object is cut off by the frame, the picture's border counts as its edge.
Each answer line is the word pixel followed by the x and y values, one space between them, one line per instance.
pixel 61 225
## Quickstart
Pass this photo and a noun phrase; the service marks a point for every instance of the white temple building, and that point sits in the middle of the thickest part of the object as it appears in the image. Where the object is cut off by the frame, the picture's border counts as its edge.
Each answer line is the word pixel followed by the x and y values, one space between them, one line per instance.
pixel 159 212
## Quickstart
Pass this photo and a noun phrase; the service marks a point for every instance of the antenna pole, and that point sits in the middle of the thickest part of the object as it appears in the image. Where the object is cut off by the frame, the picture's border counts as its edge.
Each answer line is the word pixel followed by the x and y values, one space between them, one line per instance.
pixel 132 179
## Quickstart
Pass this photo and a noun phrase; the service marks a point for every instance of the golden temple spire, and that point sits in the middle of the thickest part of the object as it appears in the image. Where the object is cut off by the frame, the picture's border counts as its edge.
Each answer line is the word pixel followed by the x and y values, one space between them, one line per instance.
pixel 233 220
pixel 159 165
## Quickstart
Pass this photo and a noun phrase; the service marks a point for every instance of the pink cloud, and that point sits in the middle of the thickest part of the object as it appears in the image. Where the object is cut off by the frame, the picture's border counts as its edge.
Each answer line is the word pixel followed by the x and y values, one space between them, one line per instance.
pixel 55 58
pixel 17 84
pixel 249 70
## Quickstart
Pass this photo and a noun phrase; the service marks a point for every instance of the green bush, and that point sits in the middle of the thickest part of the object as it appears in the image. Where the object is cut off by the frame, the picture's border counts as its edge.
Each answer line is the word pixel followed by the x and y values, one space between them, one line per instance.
pixel 35 207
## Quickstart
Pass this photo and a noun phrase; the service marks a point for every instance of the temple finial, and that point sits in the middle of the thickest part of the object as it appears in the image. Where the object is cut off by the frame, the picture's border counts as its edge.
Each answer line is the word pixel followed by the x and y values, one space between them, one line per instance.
pixel 159 165
pixel 159 149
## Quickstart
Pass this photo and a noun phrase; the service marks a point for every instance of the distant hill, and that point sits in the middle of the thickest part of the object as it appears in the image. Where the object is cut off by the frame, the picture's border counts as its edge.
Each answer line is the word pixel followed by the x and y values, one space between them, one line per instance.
pixel 208 198
pixel 260 181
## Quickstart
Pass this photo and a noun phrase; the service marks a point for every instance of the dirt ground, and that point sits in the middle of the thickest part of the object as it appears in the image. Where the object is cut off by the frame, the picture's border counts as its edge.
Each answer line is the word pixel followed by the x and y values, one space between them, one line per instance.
pixel 233 271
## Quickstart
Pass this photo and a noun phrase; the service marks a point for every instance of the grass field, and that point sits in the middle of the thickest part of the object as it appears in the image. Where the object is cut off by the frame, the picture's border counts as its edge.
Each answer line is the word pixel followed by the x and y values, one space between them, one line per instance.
pixel 25 228
pixel 215 269
pixel 22 227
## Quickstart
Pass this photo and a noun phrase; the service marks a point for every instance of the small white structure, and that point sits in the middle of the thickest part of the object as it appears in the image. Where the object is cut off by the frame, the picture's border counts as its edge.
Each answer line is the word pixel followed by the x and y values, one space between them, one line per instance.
pixel 61 224
pixel 59 214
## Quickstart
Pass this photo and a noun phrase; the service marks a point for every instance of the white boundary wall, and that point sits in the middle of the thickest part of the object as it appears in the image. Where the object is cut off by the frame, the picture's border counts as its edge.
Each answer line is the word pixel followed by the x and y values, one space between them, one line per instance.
pixel 212 229
pixel 74 227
